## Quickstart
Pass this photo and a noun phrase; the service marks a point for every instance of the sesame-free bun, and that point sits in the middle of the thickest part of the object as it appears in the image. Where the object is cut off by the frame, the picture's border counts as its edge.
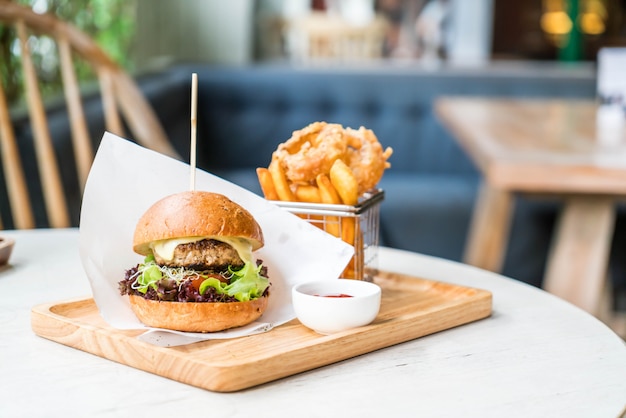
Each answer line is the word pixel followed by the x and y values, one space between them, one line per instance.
pixel 195 214
pixel 197 316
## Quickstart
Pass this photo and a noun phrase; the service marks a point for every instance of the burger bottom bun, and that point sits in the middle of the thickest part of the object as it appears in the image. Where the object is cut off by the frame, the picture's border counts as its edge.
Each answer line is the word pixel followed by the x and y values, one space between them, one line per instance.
pixel 197 316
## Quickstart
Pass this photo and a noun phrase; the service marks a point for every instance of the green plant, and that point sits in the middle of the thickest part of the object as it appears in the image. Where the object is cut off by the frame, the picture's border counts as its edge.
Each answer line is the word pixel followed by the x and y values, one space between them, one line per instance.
pixel 109 22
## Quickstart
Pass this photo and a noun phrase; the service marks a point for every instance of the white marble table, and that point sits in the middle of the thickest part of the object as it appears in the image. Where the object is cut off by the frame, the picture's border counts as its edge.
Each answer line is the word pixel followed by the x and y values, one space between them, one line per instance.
pixel 537 356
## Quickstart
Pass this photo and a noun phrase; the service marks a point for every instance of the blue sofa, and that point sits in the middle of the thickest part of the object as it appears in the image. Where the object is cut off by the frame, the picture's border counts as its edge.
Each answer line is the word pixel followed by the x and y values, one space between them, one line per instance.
pixel 243 113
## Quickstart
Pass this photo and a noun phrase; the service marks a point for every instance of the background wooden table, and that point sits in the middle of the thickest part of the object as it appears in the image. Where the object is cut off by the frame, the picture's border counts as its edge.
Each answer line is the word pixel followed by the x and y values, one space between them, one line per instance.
pixel 548 147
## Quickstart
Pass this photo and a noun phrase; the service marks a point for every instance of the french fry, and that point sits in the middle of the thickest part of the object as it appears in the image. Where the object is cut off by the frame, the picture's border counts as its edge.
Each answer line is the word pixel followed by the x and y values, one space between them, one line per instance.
pixel 344 181
pixel 280 181
pixel 356 267
pixel 308 193
pixel 348 230
pixel 267 184
pixel 347 226
pixel 331 225
pixel 350 272
pixel 328 194
pixel 315 220
pixel 351 233
pixel 346 184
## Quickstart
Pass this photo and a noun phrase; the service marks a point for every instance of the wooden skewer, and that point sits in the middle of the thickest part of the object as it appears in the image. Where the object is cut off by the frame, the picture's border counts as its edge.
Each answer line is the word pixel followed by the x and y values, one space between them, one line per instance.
pixel 192 150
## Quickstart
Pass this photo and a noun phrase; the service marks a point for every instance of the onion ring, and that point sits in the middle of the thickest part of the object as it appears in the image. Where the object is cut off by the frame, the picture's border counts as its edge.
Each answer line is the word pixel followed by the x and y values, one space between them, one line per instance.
pixel 311 151
pixel 366 158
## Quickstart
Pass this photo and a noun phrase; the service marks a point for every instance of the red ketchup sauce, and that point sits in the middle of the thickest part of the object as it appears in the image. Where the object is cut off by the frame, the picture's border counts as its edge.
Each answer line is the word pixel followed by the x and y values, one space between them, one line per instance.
pixel 336 295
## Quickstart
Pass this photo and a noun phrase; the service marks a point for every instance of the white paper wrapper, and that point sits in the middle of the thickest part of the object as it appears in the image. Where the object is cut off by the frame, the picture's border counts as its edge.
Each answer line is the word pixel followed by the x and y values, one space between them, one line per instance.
pixel 126 179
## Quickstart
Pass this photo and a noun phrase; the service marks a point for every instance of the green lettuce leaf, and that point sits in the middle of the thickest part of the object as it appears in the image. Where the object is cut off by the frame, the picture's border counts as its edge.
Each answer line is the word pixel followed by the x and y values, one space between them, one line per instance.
pixel 214 283
pixel 150 275
pixel 247 283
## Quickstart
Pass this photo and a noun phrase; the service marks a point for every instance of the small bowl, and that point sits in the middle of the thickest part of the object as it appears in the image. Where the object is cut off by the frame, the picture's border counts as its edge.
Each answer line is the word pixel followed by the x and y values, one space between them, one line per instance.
pixel 6 247
pixel 331 306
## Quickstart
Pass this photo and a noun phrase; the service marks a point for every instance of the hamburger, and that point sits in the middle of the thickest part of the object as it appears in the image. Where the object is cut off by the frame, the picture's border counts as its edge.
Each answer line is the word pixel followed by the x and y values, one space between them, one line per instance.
pixel 199 273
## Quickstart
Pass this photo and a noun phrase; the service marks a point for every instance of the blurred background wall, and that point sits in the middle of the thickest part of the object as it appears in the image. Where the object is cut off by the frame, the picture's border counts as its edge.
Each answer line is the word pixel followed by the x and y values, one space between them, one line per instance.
pixel 240 32
pixel 193 30
pixel 147 34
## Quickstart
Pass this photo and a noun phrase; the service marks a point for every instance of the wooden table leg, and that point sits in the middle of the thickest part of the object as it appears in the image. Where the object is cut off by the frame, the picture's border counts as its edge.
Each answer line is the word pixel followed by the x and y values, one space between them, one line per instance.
pixel 489 231
pixel 577 266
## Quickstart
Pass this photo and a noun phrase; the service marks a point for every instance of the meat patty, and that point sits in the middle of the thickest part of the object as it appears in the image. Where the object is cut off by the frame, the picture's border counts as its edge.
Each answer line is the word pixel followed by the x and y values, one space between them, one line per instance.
pixel 207 254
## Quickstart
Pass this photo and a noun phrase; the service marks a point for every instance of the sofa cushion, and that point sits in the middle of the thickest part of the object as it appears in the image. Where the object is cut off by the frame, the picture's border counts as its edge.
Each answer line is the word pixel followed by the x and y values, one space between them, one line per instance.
pixel 428 214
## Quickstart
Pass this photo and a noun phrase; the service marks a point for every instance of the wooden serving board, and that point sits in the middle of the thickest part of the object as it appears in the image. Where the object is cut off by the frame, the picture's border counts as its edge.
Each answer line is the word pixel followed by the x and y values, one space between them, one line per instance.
pixel 410 308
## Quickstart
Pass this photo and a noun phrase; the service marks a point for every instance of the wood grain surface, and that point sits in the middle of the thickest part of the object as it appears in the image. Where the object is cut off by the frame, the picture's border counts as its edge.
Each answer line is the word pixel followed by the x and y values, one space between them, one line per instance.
pixel 536 145
pixel 410 308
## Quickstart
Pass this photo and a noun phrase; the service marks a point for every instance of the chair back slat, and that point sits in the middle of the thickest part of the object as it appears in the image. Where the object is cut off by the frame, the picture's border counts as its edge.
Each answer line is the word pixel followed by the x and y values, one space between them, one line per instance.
pixel 112 119
pixel 13 171
pixel 83 150
pixel 56 208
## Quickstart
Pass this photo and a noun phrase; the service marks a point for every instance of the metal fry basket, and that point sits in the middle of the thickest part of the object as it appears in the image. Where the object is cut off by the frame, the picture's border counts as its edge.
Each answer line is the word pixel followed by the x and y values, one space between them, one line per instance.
pixel 357 225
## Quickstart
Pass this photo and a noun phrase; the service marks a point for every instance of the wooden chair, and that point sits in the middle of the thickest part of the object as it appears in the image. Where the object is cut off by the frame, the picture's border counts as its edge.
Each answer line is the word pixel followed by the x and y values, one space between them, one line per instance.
pixel 121 99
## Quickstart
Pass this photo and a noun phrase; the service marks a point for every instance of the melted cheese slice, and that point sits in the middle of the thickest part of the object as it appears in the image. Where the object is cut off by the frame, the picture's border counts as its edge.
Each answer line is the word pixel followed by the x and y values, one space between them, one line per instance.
pixel 165 248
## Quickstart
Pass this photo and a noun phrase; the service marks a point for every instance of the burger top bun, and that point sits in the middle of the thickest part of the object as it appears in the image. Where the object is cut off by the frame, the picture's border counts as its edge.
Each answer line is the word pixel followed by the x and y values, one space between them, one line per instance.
pixel 195 214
